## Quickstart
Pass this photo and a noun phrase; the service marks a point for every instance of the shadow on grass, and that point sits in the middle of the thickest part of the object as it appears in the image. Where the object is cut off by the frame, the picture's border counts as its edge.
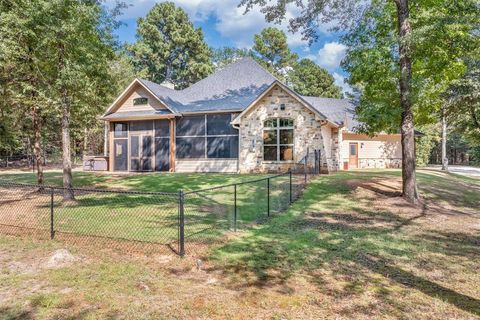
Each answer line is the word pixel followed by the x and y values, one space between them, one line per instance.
pixel 408 279
pixel 310 238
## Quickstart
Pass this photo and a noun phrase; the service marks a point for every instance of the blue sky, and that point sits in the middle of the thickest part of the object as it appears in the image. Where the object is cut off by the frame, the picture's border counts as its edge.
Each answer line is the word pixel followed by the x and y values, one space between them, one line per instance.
pixel 224 24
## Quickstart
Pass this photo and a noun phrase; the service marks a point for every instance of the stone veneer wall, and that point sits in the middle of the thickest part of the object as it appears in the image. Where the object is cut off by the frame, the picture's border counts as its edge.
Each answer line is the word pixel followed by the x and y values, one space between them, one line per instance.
pixel 307 132
pixel 336 154
pixel 379 163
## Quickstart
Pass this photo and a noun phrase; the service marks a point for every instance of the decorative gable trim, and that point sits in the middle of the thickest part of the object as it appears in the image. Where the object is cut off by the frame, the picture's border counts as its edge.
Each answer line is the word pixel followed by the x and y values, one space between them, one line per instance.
pixel 292 93
pixel 114 106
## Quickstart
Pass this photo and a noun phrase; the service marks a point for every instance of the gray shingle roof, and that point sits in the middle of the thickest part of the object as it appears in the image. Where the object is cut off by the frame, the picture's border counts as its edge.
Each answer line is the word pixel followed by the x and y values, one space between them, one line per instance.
pixel 234 88
pixel 336 110
pixel 143 113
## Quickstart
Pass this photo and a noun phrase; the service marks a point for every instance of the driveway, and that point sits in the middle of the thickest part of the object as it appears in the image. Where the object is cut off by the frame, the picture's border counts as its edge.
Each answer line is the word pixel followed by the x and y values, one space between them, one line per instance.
pixel 465 170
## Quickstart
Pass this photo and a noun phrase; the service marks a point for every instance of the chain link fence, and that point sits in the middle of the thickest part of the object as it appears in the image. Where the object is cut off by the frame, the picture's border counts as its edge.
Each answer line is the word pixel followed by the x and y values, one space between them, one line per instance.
pixel 182 222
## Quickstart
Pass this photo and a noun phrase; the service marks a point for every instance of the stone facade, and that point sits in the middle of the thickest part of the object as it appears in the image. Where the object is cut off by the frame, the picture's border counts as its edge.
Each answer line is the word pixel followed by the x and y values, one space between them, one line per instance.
pixel 336 146
pixel 307 132
pixel 379 163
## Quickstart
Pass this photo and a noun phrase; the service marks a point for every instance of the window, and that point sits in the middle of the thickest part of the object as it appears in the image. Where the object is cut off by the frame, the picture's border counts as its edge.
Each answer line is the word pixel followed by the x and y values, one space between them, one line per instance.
pixel 140 101
pixel 206 136
pixel 278 139
pixel 120 130
pixel 353 149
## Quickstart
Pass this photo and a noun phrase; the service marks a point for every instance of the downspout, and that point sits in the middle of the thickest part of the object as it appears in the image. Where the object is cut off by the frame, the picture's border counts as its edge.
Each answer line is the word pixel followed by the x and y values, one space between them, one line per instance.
pixel 237 126
pixel 324 152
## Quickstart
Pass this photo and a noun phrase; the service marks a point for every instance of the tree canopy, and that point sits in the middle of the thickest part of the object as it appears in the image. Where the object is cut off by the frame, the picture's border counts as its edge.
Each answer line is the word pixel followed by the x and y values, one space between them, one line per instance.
pixel 226 55
pixel 309 79
pixel 272 51
pixel 169 48
pixel 373 63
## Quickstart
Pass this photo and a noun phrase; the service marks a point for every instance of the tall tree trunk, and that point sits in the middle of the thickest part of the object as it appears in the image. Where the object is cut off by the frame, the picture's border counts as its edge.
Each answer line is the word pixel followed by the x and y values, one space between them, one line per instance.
pixel 37 122
pixel 85 141
pixel 66 149
pixel 444 141
pixel 407 129
pixel 37 144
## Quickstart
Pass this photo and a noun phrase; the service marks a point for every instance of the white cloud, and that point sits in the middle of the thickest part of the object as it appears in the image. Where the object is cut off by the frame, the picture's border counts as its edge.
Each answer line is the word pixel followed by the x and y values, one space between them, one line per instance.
pixel 340 81
pixel 231 22
pixel 331 55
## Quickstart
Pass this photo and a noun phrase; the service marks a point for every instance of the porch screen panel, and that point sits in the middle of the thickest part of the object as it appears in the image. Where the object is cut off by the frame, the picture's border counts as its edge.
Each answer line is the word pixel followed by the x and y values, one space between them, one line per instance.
pixel 191 126
pixel 207 136
pixel 162 145
pixel 219 124
pixel 222 137
pixel 140 126
pixel 190 147
pixel 222 147
pixel 120 146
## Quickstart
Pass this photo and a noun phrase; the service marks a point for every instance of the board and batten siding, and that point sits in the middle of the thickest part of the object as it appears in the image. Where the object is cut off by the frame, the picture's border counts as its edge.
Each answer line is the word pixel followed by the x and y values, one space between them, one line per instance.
pixel 380 151
pixel 207 165
pixel 126 105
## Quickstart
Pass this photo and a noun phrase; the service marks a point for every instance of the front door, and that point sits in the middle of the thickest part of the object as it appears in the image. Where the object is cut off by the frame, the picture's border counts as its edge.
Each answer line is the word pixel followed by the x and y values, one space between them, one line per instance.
pixel 353 156
pixel 141 147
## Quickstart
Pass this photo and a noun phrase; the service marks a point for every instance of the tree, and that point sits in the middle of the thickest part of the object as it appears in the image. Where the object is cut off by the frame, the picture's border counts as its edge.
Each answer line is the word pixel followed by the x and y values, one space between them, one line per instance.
pixel 271 50
pixel 309 79
pixel 22 68
pixel 77 52
pixel 463 102
pixel 169 48
pixel 226 55
pixel 395 58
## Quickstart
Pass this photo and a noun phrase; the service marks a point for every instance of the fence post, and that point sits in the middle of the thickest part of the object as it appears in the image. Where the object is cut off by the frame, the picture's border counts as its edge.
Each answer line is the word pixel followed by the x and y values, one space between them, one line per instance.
pixel 235 208
pixel 6 162
pixel 52 231
pixel 305 166
pixel 290 178
pixel 268 197
pixel 181 222
pixel 305 169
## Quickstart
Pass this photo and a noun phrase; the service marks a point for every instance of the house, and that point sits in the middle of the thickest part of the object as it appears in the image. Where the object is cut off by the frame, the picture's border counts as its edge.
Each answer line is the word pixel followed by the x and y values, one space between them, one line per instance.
pixel 239 119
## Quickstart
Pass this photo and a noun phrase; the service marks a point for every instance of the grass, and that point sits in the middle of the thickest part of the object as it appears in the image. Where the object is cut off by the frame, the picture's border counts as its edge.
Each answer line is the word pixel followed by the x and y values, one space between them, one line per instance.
pixel 142 217
pixel 146 182
pixel 349 248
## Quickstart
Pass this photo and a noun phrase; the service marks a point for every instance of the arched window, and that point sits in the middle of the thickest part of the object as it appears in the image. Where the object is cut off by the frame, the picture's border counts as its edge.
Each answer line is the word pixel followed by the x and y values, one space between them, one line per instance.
pixel 278 139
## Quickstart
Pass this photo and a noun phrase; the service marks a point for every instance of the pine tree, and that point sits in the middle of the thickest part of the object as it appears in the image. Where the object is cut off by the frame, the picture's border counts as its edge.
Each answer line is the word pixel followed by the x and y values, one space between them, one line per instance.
pixel 169 48
pixel 271 50
pixel 309 79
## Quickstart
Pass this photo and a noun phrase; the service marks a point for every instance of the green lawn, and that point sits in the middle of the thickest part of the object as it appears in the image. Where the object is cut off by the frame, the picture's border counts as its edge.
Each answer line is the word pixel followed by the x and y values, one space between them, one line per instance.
pixel 150 218
pixel 149 182
pixel 349 248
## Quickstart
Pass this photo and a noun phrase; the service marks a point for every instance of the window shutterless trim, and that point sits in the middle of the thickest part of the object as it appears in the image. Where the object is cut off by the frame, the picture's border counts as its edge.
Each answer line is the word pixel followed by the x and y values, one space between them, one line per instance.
pixel 278 145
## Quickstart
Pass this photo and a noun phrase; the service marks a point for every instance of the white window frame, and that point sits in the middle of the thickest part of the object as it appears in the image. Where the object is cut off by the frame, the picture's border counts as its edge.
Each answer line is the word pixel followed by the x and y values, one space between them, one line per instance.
pixel 278 145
